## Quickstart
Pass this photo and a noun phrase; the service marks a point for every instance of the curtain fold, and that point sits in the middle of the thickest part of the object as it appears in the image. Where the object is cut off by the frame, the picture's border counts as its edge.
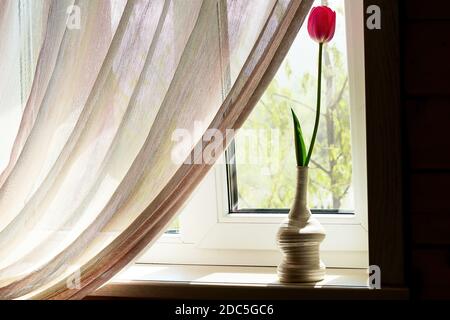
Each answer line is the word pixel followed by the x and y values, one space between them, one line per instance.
pixel 91 179
pixel 19 49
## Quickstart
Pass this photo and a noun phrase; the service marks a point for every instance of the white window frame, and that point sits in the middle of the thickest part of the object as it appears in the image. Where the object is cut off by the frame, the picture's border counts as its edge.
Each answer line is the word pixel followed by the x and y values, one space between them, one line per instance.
pixel 210 235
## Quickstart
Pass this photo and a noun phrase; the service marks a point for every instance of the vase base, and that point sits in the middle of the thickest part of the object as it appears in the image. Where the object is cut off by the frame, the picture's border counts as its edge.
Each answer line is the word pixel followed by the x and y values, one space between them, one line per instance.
pixel 293 273
pixel 300 246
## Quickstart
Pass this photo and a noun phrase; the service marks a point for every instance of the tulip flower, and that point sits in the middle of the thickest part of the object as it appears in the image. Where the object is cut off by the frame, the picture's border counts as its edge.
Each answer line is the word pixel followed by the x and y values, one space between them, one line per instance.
pixel 321 28
pixel 322 24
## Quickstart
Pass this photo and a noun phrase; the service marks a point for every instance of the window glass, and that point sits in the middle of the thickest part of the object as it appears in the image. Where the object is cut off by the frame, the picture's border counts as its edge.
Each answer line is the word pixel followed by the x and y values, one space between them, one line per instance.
pixel 264 148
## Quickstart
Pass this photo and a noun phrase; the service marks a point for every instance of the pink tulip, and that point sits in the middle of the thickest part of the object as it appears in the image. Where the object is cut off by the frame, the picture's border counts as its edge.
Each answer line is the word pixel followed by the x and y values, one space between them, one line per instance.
pixel 322 24
pixel 321 27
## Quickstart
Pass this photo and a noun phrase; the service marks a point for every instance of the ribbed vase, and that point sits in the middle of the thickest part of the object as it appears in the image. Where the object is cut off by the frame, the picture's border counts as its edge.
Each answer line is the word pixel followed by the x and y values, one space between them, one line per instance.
pixel 299 239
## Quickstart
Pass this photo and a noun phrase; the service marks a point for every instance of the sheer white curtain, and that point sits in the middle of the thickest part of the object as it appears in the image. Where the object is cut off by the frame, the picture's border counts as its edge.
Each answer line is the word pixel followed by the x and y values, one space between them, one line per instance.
pixel 87 117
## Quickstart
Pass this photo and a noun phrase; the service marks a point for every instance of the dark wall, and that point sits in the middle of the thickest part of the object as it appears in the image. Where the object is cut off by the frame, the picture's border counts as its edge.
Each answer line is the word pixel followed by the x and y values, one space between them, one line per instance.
pixel 425 37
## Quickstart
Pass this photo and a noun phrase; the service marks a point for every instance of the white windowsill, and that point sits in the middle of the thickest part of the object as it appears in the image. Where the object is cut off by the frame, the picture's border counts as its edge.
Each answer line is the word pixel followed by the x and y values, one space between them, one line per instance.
pixel 160 281
pixel 199 274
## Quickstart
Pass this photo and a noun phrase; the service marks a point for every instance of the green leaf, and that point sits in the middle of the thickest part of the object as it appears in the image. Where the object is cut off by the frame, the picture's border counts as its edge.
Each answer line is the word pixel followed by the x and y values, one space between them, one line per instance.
pixel 300 149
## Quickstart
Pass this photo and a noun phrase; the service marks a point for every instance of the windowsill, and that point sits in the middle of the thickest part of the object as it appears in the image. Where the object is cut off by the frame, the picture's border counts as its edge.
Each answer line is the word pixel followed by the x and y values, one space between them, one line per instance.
pixel 155 281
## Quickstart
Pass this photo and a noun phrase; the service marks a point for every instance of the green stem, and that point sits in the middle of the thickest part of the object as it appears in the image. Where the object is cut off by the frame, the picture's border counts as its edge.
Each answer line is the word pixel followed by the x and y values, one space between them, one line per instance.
pixel 319 91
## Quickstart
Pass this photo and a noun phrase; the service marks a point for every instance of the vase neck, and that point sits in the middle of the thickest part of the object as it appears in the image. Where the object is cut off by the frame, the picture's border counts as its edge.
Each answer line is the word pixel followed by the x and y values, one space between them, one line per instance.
pixel 302 185
pixel 300 211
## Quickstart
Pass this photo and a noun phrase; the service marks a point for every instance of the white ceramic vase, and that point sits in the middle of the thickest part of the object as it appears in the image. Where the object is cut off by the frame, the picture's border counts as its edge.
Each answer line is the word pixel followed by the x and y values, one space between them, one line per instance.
pixel 299 239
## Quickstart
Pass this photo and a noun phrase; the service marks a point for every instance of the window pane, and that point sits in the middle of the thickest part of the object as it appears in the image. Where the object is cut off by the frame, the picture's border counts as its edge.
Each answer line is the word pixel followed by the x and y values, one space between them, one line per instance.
pixel 266 167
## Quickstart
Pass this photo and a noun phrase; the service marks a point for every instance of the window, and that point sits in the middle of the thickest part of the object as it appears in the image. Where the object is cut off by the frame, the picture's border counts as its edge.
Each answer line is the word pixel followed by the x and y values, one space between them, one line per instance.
pixel 261 161
pixel 234 215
